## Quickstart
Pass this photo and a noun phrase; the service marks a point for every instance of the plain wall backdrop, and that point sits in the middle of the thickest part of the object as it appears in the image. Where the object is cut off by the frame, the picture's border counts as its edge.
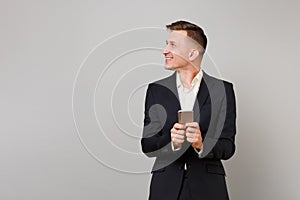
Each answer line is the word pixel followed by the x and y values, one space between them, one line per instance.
pixel 255 45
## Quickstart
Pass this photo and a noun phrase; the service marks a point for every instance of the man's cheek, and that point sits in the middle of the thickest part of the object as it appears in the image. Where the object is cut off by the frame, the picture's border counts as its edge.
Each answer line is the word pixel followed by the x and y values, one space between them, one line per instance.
pixel 181 56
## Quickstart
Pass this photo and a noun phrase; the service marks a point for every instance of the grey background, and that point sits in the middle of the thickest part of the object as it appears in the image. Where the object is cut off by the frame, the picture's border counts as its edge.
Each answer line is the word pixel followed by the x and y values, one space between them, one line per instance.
pixel 43 43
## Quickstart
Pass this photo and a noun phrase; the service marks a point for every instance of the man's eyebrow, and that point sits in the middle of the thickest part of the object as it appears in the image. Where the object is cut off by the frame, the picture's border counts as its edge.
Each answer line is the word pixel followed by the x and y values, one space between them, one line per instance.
pixel 171 42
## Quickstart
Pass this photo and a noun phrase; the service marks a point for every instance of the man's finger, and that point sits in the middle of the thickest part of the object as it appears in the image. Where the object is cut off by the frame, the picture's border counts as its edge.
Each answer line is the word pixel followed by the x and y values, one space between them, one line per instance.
pixel 181 132
pixel 190 135
pixel 177 140
pixel 178 136
pixel 191 129
pixel 179 126
pixel 192 124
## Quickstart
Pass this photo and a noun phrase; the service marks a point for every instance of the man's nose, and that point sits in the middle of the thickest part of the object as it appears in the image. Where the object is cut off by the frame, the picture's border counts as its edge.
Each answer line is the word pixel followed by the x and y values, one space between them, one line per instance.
pixel 165 51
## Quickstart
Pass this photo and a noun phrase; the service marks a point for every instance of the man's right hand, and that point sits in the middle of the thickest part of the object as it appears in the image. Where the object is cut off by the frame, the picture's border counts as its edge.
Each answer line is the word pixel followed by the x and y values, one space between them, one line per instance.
pixel 178 135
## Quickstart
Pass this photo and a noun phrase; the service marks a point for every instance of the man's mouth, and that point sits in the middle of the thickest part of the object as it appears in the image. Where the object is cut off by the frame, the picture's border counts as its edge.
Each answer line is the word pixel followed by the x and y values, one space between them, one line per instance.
pixel 169 58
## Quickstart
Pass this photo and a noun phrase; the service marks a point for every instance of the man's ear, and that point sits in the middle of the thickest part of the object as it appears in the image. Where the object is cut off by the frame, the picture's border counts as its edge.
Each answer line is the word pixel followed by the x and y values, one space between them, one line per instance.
pixel 193 54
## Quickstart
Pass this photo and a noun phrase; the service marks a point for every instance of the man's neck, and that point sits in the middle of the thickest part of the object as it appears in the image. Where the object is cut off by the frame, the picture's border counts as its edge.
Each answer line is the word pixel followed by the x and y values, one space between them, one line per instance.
pixel 187 76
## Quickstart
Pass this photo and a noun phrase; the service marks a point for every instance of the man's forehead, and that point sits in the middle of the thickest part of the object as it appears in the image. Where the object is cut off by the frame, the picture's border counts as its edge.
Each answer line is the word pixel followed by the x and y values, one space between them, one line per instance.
pixel 180 36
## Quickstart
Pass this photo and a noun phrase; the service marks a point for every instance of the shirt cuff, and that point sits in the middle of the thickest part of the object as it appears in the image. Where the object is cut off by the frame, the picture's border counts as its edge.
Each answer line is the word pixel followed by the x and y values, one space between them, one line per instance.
pixel 173 148
pixel 199 152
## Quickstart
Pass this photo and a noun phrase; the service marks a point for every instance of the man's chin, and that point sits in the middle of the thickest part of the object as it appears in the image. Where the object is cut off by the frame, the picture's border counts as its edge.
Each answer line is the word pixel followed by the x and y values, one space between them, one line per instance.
pixel 167 67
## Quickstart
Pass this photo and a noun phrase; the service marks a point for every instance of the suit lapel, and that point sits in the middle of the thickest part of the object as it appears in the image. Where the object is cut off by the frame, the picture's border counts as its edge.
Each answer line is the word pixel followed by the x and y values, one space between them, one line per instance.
pixel 200 99
pixel 173 87
pixel 170 84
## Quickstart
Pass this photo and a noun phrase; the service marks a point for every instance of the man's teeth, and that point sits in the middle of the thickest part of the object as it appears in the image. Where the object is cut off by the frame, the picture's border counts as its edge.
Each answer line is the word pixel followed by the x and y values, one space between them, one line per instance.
pixel 168 58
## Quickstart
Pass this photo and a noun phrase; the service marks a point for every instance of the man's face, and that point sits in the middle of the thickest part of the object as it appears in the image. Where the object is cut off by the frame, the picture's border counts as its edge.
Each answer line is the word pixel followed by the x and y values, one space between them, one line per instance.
pixel 176 50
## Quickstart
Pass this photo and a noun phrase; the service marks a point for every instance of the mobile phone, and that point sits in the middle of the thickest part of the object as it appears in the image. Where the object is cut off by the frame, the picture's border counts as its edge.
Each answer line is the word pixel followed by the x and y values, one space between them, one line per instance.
pixel 185 116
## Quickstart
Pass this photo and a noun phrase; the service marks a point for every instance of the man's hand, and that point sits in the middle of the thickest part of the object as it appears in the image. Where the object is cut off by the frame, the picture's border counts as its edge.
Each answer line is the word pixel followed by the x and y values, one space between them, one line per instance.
pixel 178 134
pixel 193 134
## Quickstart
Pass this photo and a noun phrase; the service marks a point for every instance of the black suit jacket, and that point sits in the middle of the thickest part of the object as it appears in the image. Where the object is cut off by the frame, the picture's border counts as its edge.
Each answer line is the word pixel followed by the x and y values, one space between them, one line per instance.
pixel 215 111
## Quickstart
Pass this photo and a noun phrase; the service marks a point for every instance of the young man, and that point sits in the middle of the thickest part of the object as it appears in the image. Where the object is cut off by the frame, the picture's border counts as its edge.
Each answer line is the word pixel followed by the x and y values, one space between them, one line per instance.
pixel 188 156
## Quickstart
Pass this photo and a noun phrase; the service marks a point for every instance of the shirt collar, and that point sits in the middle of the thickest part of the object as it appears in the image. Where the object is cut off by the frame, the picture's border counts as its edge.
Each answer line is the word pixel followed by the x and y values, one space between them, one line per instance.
pixel 196 79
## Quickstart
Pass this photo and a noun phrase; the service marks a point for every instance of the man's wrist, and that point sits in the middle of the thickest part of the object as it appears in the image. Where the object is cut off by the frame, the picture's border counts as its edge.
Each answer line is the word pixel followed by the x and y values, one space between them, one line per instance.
pixel 175 147
pixel 199 150
pixel 197 146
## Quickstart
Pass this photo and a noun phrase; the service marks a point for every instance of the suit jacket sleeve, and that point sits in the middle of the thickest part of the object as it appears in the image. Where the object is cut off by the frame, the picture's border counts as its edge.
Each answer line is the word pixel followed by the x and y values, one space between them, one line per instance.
pixel 154 142
pixel 224 147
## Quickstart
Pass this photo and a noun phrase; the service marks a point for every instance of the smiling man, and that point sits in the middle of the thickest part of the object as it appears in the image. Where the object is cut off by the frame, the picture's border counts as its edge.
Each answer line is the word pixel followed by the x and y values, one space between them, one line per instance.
pixel 188 155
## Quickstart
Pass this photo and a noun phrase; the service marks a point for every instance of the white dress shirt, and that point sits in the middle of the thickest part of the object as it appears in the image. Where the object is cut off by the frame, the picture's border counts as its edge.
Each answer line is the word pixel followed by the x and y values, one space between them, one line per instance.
pixel 187 97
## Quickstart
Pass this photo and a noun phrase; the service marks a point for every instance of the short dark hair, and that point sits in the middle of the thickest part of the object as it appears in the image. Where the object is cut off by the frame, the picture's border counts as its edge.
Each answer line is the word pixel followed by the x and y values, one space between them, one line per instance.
pixel 193 31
